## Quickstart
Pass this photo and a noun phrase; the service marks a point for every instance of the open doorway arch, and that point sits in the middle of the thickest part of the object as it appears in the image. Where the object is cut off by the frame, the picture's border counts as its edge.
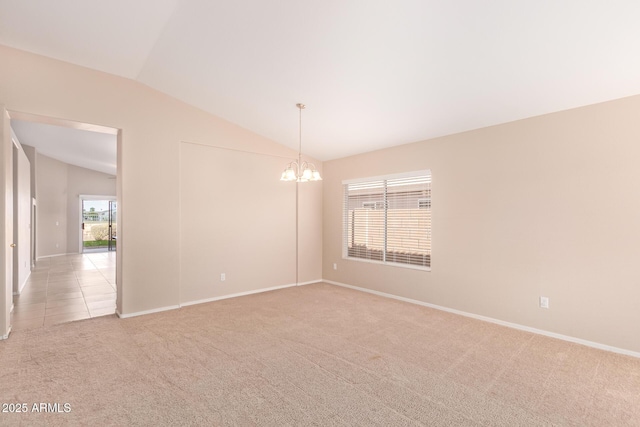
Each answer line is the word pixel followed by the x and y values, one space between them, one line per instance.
pixel 70 247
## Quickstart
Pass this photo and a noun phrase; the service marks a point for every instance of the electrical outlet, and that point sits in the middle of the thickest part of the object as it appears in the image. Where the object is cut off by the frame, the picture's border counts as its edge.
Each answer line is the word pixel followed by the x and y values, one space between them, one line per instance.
pixel 544 302
pixel 335 266
pixel 223 277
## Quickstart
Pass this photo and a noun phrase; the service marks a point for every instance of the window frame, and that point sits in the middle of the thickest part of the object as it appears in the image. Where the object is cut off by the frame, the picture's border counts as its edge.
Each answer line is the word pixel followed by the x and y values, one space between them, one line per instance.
pixel 345 216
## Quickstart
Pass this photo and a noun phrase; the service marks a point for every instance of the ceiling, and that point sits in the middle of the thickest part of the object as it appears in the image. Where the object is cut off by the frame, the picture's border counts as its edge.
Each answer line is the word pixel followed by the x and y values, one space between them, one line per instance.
pixel 372 73
pixel 84 148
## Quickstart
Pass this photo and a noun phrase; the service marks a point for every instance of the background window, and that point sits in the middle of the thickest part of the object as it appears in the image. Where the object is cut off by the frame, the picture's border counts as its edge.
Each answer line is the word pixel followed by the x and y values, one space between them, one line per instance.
pixel 388 219
pixel 424 203
pixel 373 205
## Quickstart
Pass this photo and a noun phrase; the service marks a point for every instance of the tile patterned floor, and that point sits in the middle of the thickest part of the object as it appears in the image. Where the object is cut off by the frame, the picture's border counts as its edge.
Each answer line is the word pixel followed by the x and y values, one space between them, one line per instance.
pixel 66 288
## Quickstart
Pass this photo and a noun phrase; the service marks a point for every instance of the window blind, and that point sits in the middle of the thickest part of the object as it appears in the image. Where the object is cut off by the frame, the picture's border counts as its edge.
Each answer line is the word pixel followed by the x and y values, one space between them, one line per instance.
pixel 388 220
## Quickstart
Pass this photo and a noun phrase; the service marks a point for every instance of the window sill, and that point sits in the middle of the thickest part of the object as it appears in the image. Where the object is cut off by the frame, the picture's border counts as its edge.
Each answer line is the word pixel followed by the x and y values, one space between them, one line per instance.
pixel 390 264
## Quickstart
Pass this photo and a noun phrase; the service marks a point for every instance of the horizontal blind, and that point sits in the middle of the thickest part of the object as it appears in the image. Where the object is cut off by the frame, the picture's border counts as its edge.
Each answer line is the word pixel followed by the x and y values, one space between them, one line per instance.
pixel 408 225
pixel 365 220
pixel 389 220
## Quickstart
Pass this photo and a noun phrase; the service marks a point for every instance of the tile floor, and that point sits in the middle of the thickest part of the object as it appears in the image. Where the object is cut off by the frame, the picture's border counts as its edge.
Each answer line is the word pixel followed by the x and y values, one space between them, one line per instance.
pixel 66 288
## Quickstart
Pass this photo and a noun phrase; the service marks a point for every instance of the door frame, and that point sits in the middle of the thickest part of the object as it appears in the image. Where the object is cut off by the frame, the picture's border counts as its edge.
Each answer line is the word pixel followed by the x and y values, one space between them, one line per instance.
pixel 6 219
pixel 19 197
pixel 6 205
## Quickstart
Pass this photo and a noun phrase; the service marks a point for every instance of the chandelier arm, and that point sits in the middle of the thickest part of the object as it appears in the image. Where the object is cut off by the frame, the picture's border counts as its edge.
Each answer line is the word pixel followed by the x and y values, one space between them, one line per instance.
pixel 304 171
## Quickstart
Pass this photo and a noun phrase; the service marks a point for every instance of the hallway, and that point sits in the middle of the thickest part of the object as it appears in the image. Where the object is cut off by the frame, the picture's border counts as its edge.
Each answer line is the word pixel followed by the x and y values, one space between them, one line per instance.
pixel 66 288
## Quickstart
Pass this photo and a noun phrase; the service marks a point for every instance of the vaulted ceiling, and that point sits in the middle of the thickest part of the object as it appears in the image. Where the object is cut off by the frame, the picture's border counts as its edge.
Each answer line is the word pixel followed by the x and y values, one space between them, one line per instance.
pixel 373 73
pixel 88 149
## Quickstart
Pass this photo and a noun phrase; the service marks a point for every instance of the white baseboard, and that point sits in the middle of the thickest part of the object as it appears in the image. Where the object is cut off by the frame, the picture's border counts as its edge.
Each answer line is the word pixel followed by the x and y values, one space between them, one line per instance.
pixel 311 282
pixel 4 337
pixel 56 255
pixel 141 313
pixel 202 301
pixel 240 294
pixel 24 283
pixel 496 321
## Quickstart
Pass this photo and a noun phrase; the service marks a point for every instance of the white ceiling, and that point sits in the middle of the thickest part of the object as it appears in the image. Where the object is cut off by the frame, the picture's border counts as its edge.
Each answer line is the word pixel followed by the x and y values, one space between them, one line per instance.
pixel 87 149
pixel 373 73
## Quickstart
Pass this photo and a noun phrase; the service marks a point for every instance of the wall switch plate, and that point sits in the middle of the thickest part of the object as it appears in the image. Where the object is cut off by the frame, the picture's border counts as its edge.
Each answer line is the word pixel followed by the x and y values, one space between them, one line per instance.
pixel 223 277
pixel 544 302
pixel 335 266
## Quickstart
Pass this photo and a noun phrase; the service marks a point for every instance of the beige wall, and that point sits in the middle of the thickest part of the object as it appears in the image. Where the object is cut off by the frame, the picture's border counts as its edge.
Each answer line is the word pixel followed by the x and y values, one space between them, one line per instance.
pixel 59 186
pixel 30 152
pixel 544 206
pixel 238 218
pixel 233 220
pixel 152 126
pixel 51 199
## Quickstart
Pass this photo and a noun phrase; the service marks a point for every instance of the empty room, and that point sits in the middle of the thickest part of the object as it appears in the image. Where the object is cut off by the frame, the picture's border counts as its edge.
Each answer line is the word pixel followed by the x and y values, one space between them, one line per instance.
pixel 331 213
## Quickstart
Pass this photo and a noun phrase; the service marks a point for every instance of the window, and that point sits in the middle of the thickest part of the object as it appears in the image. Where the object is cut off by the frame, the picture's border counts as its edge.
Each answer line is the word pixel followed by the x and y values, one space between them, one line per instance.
pixel 424 203
pixel 388 219
pixel 373 205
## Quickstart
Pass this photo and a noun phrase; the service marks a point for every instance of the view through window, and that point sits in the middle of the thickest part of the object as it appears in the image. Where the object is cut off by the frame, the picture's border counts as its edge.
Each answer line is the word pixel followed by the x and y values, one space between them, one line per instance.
pixel 99 224
pixel 388 219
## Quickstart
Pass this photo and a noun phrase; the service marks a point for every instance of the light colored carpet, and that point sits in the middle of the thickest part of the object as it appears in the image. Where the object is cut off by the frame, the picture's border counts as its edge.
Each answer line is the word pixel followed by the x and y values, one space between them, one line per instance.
pixel 312 355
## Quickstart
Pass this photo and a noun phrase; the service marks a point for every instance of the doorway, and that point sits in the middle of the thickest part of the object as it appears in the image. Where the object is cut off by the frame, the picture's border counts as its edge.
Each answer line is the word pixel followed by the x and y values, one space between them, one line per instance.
pixel 66 284
pixel 99 223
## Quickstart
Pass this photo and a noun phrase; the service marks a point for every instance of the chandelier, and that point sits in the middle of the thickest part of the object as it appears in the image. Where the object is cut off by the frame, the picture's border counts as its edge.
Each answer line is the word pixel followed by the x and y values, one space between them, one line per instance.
pixel 300 171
